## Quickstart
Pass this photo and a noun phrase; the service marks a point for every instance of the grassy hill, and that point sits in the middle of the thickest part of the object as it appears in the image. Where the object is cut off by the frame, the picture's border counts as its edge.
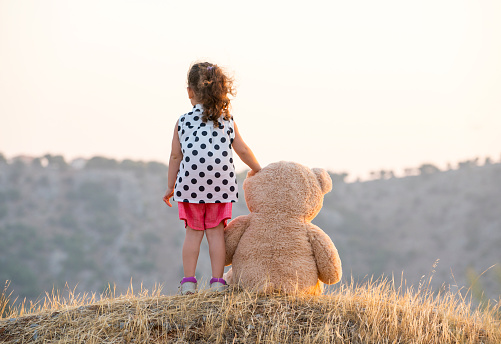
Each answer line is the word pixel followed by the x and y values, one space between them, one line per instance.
pixel 377 312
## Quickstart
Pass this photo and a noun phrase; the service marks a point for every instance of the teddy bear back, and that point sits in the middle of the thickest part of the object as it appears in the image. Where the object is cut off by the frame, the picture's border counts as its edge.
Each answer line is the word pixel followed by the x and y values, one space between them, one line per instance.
pixel 287 189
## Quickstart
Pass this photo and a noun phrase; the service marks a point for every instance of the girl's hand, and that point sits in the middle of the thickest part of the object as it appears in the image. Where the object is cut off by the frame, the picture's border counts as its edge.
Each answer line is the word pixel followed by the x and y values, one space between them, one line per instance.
pixel 168 194
pixel 252 173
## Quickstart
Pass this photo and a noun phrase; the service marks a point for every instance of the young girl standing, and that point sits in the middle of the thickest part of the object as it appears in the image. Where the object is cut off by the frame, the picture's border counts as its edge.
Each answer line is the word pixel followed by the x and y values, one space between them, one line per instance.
pixel 202 175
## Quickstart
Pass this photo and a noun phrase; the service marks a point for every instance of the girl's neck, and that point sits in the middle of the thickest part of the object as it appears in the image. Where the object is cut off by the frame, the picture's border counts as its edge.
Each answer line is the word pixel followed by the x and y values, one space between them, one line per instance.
pixel 191 95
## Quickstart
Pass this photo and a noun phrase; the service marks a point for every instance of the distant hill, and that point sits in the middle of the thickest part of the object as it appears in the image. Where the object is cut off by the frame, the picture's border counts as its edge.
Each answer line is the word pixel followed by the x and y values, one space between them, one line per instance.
pixel 91 223
pixel 406 224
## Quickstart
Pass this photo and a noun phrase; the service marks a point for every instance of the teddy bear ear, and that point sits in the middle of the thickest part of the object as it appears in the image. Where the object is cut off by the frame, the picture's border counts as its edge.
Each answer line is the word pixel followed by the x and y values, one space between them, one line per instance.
pixel 324 179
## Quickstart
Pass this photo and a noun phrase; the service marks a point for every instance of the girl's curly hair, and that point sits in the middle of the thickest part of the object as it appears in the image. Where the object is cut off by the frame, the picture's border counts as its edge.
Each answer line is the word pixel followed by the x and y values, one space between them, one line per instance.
pixel 211 87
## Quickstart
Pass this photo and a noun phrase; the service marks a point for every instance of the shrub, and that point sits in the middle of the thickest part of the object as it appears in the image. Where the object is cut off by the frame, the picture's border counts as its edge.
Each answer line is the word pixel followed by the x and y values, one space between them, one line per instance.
pixel 99 162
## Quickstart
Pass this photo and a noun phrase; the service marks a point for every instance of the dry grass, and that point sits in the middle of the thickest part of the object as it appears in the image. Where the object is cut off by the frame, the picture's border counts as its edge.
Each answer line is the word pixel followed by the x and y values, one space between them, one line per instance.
pixel 376 312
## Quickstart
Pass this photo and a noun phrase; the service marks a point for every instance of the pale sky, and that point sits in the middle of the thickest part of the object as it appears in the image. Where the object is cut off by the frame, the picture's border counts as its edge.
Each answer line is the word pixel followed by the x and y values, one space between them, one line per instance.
pixel 351 86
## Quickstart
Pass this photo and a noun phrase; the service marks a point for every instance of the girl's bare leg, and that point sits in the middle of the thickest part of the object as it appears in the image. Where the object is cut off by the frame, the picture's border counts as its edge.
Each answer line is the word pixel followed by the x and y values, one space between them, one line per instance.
pixel 191 249
pixel 217 250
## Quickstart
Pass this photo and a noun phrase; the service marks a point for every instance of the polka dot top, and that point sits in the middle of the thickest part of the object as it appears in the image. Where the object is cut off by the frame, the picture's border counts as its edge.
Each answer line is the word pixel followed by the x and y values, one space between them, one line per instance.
pixel 207 172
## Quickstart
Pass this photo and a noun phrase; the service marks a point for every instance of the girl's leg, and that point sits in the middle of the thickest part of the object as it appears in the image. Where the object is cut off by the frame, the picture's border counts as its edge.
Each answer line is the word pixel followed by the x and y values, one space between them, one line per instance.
pixel 191 249
pixel 217 250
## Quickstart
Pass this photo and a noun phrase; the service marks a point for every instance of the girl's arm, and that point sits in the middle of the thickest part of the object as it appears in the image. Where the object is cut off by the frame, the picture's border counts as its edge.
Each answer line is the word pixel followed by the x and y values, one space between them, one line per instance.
pixel 244 152
pixel 176 156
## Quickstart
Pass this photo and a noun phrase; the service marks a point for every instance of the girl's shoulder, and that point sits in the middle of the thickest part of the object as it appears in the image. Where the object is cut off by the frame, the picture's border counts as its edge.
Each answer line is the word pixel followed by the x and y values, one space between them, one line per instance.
pixel 228 119
pixel 194 118
pixel 183 117
pixel 189 118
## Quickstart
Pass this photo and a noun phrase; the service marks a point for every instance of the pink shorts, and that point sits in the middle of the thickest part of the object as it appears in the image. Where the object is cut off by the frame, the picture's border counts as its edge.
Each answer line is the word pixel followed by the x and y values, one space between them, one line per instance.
pixel 201 216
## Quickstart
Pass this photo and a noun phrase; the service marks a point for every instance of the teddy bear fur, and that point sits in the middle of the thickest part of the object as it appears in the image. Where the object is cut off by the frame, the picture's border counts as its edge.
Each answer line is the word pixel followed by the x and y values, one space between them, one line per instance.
pixel 276 247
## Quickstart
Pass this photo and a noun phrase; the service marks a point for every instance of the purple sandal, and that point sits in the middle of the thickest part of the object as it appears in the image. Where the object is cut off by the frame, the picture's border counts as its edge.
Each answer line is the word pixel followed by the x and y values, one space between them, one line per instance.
pixel 218 284
pixel 188 285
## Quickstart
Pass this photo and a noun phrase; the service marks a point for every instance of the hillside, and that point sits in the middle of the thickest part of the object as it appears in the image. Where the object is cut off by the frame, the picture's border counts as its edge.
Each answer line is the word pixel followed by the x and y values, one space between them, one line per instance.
pixel 378 312
pixel 102 222
pixel 448 222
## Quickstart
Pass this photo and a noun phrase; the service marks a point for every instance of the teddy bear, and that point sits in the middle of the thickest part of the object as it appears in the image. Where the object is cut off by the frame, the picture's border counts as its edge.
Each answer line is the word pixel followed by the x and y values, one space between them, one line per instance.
pixel 276 248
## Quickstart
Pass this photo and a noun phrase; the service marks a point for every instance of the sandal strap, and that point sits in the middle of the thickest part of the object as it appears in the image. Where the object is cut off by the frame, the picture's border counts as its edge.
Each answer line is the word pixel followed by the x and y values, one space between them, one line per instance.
pixel 220 280
pixel 189 279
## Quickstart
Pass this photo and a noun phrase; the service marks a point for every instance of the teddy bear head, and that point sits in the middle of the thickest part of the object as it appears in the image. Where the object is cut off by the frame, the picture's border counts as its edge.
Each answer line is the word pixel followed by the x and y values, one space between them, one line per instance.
pixel 287 188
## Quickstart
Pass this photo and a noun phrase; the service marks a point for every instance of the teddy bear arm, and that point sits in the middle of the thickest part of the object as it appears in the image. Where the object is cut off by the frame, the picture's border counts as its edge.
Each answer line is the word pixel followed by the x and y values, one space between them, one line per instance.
pixel 232 234
pixel 326 256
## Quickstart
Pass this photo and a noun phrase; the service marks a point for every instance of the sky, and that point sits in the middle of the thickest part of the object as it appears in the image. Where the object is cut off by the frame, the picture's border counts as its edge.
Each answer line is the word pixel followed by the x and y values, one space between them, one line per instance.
pixel 350 86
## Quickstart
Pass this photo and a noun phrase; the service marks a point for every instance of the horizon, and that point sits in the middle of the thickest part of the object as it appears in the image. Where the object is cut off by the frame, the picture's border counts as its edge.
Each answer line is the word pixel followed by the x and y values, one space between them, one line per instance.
pixel 350 178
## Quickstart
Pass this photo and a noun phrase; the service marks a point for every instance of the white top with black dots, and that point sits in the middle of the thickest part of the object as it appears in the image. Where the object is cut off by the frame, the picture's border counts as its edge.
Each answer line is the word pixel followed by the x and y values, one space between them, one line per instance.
pixel 207 172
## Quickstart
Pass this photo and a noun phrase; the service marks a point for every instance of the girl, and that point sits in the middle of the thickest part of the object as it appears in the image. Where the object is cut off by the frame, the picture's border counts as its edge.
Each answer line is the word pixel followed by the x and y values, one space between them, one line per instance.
pixel 201 171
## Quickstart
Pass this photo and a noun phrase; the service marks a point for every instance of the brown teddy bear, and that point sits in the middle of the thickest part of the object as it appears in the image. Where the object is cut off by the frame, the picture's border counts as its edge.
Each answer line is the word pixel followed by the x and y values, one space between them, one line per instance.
pixel 276 247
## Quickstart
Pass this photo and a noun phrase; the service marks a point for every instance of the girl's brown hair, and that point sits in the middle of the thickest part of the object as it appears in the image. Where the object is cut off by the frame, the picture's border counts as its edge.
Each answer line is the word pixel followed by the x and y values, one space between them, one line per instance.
pixel 211 87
